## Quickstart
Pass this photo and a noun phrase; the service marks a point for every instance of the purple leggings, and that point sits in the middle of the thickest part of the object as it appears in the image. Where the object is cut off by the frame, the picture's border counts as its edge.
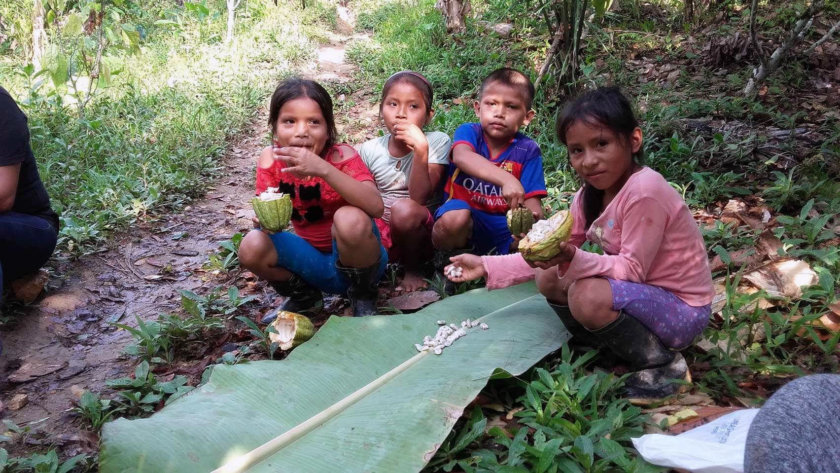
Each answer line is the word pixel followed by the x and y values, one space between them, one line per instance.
pixel 666 315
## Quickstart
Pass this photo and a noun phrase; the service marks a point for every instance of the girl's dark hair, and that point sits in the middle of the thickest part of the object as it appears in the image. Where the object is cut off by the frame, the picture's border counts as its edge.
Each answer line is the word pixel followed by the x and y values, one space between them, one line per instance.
pixel 414 78
pixel 295 88
pixel 608 107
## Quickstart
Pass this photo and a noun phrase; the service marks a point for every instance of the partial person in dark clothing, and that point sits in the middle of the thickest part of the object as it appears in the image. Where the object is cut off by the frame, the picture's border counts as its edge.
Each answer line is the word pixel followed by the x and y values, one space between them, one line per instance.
pixel 28 225
pixel 797 429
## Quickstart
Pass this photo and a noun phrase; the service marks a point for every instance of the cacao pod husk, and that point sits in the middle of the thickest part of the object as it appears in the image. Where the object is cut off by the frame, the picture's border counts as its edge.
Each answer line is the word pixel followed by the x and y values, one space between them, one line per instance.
pixel 520 220
pixel 292 330
pixel 274 215
pixel 541 242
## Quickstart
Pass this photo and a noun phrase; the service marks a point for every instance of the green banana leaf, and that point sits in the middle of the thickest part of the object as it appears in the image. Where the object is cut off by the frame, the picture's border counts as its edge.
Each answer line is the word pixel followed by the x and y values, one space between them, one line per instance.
pixel 365 399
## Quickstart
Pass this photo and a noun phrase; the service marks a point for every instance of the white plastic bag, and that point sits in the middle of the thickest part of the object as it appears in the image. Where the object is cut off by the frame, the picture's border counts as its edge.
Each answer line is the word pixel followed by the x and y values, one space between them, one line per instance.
pixel 717 447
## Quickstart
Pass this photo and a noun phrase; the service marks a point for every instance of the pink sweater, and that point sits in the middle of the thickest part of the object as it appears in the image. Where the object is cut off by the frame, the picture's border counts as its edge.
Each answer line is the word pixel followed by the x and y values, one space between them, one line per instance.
pixel 647 234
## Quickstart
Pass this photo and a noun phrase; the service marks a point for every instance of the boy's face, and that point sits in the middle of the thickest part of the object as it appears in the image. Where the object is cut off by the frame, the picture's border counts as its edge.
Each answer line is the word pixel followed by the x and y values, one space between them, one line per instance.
pixel 502 112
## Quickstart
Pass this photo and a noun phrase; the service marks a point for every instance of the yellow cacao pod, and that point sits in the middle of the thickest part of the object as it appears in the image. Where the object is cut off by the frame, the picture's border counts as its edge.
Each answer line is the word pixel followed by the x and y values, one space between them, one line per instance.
pixel 541 243
pixel 292 330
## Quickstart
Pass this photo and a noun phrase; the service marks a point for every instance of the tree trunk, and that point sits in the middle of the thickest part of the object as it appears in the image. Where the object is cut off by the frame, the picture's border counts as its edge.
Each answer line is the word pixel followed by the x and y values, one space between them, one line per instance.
pixel 454 12
pixel 231 8
pixel 39 36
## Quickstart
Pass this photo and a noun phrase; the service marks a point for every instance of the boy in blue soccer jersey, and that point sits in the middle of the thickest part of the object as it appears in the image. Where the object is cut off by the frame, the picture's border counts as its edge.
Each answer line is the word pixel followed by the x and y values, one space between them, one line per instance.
pixel 493 168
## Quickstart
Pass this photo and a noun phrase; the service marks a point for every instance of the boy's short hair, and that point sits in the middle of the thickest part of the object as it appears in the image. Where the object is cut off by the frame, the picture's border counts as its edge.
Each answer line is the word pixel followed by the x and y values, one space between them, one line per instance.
pixel 511 78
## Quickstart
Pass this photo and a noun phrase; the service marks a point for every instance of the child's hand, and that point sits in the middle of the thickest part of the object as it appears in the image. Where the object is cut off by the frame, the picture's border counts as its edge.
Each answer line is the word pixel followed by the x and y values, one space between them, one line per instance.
pixel 513 192
pixel 302 161
pixel 567 252
pixel 471 268
pixel 411 135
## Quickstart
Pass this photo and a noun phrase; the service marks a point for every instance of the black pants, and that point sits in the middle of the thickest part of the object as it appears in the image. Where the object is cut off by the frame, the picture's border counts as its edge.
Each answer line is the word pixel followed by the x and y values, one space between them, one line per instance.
pixel 26 243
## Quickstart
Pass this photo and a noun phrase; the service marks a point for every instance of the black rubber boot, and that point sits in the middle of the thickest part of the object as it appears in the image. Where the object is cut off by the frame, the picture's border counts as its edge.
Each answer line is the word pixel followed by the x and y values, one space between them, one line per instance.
pixel 300 297
pixel 656 367
pixel 581 338
pixel 363 289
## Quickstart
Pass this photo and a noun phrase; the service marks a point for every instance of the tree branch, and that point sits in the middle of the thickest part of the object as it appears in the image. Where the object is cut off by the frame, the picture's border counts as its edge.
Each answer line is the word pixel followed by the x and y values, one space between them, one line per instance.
pixel 802 24
pixel 759 50
pixel 822 40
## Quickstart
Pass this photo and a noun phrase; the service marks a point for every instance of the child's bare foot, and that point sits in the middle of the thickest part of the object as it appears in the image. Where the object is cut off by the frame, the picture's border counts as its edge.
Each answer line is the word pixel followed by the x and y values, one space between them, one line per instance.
pixel 411 282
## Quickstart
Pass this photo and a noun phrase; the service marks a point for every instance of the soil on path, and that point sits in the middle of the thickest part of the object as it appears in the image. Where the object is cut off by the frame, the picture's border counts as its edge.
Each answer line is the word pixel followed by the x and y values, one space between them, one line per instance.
pixel 67 343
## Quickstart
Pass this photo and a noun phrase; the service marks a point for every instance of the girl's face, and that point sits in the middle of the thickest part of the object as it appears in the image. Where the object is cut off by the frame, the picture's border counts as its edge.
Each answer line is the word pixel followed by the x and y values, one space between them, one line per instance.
pixel 404 103
pixel 601 157
pixel 301 124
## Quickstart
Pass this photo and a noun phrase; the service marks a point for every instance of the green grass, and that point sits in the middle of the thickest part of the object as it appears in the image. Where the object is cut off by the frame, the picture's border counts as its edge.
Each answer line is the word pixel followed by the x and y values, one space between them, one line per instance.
pixel 155 135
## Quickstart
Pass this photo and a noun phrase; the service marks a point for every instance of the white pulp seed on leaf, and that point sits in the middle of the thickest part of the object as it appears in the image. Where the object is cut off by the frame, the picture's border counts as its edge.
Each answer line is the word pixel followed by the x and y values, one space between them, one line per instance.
pixel 447 335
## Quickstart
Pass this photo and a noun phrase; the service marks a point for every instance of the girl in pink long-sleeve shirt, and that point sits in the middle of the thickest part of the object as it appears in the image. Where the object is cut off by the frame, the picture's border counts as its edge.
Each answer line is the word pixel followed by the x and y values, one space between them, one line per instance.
pixel 649 295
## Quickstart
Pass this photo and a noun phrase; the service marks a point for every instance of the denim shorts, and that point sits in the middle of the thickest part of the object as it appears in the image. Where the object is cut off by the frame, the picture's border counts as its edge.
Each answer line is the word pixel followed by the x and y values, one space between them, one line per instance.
pixel 490 234
pixel 316 267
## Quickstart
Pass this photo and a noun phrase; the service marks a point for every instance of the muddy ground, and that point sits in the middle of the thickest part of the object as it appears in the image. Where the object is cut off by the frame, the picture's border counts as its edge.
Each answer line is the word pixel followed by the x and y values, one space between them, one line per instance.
pixel 66 342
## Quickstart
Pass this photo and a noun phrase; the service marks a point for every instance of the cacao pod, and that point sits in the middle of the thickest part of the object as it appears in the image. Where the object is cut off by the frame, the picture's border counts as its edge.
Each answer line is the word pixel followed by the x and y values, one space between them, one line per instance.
pixel 541 243
pixel 273 212
pixel 520 220
pixel 292 330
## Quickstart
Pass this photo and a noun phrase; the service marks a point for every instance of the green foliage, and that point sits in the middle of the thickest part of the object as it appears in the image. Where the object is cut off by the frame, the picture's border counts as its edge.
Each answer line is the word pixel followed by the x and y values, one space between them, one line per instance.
pixel 151 130
pixel 415 38
pixel 261 336
pixel 151 344
pixel 709 187
pixel 789 192
pixel 43 463
pixel 161 340
pixel 214 302
pixel 571 420
pixel 95 411
pixel 143 393
pixel 227 258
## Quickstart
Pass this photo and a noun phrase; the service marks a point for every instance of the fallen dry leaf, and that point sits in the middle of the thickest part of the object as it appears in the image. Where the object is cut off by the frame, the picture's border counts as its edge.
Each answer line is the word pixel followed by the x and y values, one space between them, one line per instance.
pixel 784 278
pixel 34 369
pixel 414 300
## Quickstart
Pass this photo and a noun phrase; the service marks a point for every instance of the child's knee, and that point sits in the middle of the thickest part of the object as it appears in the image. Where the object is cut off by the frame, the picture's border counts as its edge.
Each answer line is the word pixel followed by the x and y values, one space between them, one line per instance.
pixel 351 224
pixel 408 215
pixel 590 301
pixel 254 249
pixel 551 286
pixel 451 224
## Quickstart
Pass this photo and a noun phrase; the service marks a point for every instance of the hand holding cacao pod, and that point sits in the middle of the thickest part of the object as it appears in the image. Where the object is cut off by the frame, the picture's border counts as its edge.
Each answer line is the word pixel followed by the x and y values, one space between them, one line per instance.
pixel 543 241
pixel 520 220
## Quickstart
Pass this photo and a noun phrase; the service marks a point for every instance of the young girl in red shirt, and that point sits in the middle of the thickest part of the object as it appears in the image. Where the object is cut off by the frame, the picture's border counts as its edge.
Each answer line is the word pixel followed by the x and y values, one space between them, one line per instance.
pixel 336 247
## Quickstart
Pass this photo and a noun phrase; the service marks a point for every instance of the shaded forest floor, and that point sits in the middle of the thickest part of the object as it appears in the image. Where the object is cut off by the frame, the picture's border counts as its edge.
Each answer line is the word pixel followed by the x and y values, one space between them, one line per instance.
pixel 67 342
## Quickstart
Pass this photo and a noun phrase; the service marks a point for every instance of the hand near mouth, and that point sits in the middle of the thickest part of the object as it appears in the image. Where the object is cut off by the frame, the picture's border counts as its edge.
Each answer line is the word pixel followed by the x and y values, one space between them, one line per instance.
pixel 411 135
pixel 301 161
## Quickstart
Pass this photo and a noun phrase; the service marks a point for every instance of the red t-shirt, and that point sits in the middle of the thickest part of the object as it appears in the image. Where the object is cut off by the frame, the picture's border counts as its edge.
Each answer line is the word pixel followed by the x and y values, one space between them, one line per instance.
pixel 313 200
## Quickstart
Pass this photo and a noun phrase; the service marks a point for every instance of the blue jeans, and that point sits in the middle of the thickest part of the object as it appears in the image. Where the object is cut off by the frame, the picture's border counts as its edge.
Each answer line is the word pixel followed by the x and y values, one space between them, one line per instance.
pixel 26 243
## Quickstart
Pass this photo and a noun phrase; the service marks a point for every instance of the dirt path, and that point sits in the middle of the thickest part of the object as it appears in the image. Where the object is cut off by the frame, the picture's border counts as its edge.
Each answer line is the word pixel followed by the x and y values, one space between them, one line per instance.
pixel 67 342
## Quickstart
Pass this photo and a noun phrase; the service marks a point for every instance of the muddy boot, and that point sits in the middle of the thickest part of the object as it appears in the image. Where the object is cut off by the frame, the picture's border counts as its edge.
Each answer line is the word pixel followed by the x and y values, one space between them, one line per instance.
pixel 300 297
pixel 656 367
pixel 363 289
pixel 581 338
